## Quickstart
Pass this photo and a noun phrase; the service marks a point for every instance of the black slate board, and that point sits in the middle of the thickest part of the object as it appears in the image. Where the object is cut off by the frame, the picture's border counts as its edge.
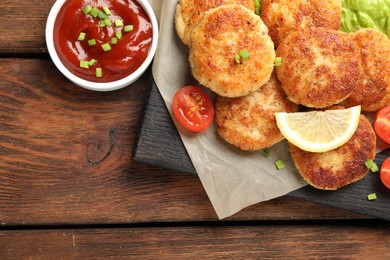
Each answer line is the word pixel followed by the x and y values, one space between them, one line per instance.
pixel 159 144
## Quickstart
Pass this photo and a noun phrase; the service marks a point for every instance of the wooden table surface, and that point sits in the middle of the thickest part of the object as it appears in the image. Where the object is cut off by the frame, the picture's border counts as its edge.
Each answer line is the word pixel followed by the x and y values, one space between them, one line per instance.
pixel 69 188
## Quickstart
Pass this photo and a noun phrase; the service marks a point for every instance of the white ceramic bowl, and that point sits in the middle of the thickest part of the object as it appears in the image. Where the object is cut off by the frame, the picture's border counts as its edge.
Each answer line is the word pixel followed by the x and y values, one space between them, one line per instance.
pixel 100 86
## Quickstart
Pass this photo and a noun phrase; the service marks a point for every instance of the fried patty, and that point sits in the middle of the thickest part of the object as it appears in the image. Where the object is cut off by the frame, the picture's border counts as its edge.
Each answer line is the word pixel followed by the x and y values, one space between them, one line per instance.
pixel 282 17
pixel 373 85
pixel 190 12
pixel 319 67
pixel 248 122
pixel 339 167
pixel 220 36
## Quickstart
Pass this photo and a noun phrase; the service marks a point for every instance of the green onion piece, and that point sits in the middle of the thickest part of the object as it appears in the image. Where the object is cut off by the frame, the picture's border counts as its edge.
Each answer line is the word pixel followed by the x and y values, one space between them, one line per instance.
pixel 279 164
pixel 108 22
pixel 114 40
pixel 81 36
pixel 118 35
pixel 106 10
pixel 369 163
pixel 94 12
pixel 372 196
pixel 257 7
pixel 266 152
pixel 87 9
pixel 128 28
pixel 92 62
pixel 374 168
pixel 102 24
pixel 237 58
pixel 84 64
pixel 102 15
pixel 98 72
pixel 118 23
pixel 91 42
pixel 106 47
pixel 278 61
pixel 244 54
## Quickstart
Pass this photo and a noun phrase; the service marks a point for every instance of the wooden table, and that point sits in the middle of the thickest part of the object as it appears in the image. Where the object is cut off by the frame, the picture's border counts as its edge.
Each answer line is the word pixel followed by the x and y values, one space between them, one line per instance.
pixel 69 188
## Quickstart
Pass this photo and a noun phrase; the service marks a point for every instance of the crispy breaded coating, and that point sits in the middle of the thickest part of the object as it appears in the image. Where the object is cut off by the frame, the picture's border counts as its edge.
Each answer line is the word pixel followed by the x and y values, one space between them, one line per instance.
pixel 284 16
pixel 221 35
pixel 319 67
pixel 190 12
pixel 341 166
pixel 248 122
pixel 373 84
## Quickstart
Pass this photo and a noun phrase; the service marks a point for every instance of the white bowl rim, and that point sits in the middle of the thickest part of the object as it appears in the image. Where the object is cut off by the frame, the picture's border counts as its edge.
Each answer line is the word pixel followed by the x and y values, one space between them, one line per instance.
pixel 100 86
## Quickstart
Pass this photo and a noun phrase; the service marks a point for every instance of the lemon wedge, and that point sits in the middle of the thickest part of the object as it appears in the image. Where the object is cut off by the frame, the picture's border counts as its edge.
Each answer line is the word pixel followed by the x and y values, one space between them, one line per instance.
pixel 319 131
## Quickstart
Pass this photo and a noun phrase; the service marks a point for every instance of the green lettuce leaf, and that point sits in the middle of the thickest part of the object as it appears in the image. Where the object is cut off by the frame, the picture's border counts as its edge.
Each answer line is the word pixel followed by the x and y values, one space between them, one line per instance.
pixel 357 14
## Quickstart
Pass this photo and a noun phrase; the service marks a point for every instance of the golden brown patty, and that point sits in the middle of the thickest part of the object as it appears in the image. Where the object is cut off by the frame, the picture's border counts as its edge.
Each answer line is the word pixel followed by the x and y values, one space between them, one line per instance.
pixel 189 13
pixel 318 67
pixel 221 34
pixel 339 167
pixel 248 122
pixel 282 17
pixel 373 86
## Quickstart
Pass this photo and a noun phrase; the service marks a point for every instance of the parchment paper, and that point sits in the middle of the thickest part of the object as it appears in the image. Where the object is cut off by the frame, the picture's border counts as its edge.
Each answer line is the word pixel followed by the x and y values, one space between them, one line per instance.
pixel 233 179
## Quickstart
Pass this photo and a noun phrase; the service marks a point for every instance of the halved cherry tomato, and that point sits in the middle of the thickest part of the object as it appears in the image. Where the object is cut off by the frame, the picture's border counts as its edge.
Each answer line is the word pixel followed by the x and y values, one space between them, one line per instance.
pixel 382 124
pixel 193 108
pixel 385 173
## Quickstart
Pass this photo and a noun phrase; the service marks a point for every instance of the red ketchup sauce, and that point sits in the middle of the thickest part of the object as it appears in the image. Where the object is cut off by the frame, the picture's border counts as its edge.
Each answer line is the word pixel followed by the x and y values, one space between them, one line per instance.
pixel 125 56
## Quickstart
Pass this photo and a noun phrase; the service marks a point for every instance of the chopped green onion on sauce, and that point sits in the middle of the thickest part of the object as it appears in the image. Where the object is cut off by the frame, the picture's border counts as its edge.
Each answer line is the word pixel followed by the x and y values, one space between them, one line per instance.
pixel 108 22
pixel 128 28
pixel 84 64
pixel 87 9
pixel 118 23
pixel 92 62
pixel 81 36
pixel 106 10
pixel 98 72
pixel 91 42
pixel 102 15
pixel 103 20
pixel 114 40
pixel 94 12
pixel 106 47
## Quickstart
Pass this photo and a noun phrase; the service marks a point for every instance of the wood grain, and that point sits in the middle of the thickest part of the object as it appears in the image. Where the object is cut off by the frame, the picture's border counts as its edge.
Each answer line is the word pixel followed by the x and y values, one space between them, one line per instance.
pixel 65 153
pixel 70 189
pixel 65 158
pixel 201 242
pixel 24 28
